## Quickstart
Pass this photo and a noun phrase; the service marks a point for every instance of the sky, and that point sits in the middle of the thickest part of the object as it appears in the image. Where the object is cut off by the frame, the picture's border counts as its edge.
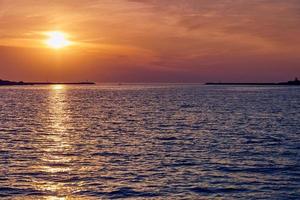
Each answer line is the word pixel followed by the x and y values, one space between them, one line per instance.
pixel 151 40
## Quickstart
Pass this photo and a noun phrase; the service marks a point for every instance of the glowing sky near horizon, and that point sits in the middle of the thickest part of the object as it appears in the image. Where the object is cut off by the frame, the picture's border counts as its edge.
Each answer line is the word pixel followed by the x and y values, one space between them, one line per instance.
pixel 151 40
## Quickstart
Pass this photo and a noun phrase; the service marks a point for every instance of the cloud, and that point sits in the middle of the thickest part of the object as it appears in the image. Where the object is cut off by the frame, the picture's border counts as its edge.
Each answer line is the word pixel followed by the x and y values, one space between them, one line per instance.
pixel 273 21
pixel 176 36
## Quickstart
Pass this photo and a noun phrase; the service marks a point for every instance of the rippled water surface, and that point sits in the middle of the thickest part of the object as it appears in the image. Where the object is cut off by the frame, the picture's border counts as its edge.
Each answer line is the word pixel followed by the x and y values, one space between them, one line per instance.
pixel 149 142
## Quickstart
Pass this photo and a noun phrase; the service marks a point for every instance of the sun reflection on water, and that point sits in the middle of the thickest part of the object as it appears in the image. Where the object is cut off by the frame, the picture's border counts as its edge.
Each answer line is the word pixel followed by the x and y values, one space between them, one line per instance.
pixel 56 146
pixel 58 87
pixel 56 198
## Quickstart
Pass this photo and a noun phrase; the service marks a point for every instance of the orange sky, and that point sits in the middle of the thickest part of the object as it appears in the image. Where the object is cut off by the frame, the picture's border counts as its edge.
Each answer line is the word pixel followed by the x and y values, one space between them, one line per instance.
pixel 151 40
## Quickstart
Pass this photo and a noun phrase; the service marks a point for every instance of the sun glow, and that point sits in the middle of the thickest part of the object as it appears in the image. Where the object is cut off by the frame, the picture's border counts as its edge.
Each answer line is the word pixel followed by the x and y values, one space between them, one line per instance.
pixel 57 40
pixel 57 87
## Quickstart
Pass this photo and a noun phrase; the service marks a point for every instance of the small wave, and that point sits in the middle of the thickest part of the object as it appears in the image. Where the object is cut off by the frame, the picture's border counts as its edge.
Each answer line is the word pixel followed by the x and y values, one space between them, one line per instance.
pixel 201 190
pixel 181 163
pixel 264 170
pixel 9 191
pixel 127 192
pixel 166 138
pixel 108 154
pixel 124 192
pixel 186 106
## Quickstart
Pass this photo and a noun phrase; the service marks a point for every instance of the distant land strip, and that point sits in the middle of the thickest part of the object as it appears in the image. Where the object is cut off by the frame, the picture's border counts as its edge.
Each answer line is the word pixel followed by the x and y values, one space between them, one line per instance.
pixel 11 83
pixel 295 82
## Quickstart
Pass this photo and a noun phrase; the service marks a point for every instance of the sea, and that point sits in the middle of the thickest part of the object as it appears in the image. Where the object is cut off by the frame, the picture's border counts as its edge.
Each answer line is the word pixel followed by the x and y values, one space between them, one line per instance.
pixel 149 141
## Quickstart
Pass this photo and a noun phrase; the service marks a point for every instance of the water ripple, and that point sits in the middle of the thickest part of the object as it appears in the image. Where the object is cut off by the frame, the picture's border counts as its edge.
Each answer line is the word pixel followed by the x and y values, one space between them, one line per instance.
pixel 149 142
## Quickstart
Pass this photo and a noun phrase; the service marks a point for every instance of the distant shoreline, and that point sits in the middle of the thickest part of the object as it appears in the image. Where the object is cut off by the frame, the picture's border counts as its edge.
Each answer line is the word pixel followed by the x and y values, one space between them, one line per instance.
pixel 21 83
pixel 296 82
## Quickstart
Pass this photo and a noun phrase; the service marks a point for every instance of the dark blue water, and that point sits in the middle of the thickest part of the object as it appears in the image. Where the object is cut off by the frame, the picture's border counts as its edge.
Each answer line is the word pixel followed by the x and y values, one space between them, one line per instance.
pixel 149 142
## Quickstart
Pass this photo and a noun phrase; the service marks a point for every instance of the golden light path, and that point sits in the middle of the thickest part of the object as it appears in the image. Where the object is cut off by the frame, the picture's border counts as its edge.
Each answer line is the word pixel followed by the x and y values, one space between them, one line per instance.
pixel 55 144
pixel 57 40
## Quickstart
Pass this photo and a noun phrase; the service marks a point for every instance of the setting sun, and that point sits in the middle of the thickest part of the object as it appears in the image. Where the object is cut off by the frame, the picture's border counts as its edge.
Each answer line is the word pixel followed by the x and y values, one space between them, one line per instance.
pixel 57 40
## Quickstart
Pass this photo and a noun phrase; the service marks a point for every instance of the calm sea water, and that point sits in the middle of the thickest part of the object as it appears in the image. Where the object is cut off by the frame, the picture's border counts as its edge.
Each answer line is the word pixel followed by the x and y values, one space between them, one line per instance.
pixel 149 142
